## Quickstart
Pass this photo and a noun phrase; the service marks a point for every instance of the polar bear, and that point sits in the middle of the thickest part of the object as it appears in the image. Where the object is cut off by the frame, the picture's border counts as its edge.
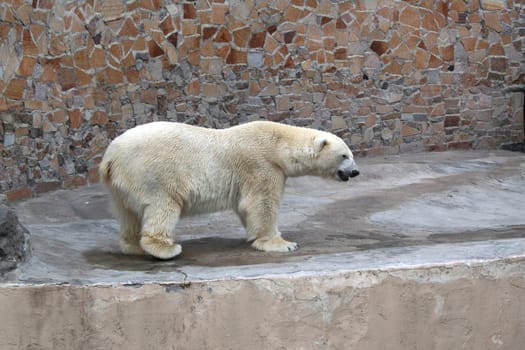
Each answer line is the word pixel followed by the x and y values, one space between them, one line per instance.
pixel 160 172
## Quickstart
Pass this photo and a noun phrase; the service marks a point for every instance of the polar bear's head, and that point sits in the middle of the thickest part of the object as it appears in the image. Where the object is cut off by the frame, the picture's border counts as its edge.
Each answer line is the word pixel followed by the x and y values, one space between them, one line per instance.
pixel 333 158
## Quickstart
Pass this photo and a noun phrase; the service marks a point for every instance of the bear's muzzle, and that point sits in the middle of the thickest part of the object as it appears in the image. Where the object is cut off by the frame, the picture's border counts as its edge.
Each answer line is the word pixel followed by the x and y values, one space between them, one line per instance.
pixel 345 175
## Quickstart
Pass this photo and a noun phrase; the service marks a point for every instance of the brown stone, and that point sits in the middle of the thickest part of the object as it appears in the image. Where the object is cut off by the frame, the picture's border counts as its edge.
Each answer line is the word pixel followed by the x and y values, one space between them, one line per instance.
pixel 482 44
pixel 128 61
pixel 93 175
pixel 421 59
pixel 29 47
pixel 241 37
pixel 218 13
pixel 434 61
pixel 458 5
pixel 496 50
pixel 462 145
pixel 75 118
pixel 311 3
pixel 271 45
pixel 116 51
pixel 340 24
pixel 452 121
pixel 173 39
pixel 447 53
pixel 402 51
pixel 237 57
pixel 81 59
pixel 193 88
pixel 492 20
pixel 47 186
pixel 410 17
pixel 167 26
pixel 75 181
pixel 289 63
pixel 223 36
pixel 340 53
pixel 288 37
pixel 98 58
pixel 428 21
pixel 99 118
pixel 257 40
pixel 292 14
pixel 331 101
pixel 132 75
pixel 113 76
pixel 208 32
pixel 469 43
pixel 223 51
pixel 208 49
pixel 189 11
pixel 15 89
pixel 431 90
pixel 129 28
pixel 408 131
pixel 19 194
pixel 393 68
pixel 58 116
pixel 154 49
pixel 26 66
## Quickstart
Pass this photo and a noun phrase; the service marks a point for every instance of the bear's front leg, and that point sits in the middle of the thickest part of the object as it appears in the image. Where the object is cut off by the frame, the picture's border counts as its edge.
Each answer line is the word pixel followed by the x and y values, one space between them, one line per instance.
pixel 259 217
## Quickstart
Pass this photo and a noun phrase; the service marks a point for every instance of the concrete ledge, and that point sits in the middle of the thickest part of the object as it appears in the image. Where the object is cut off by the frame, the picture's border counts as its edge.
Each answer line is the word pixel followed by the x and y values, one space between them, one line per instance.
pixel 474 303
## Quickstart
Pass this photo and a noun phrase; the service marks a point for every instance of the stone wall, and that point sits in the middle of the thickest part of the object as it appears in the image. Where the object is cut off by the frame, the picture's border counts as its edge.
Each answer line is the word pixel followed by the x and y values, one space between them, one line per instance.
pixel 388 76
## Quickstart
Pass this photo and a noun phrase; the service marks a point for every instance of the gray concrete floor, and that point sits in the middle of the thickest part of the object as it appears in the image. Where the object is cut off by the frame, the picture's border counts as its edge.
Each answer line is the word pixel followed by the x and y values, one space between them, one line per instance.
pixel 402 210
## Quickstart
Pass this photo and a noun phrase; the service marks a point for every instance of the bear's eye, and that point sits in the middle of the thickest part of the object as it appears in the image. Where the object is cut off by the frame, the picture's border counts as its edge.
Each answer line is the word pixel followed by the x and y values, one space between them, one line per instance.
pixel 344 156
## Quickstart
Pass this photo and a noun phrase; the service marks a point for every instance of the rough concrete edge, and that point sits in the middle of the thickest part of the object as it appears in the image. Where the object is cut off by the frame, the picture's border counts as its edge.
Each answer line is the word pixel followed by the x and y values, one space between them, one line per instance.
pixel 357 278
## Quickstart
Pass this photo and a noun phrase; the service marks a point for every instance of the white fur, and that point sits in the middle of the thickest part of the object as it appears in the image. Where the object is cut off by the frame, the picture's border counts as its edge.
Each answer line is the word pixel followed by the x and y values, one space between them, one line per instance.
pixel 162 171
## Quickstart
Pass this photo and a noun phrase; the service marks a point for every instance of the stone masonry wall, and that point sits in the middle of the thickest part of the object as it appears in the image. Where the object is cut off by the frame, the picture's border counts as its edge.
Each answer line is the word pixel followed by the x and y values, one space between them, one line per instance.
pixel 388 76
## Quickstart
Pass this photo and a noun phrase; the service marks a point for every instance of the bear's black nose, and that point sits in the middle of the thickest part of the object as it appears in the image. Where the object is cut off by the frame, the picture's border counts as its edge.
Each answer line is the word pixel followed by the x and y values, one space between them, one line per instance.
pixel 354 173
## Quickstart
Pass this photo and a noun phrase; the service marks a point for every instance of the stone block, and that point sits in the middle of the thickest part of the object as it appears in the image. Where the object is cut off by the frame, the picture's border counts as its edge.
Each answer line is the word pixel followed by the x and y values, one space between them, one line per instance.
pixel 452 121
pixel 19 194
pixel 237 57
pixel 15 89
pixel 407 130
pixel 241 37
pixel 493 21
pixel 14 240
pixel 75 181
pixel 410 16
pixel 379 47
pixel 256 58
pixel 26 66
pixel 493 4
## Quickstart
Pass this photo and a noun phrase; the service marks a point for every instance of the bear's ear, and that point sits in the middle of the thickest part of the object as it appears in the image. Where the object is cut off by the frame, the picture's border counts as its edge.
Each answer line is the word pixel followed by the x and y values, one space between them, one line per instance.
pixel 320 143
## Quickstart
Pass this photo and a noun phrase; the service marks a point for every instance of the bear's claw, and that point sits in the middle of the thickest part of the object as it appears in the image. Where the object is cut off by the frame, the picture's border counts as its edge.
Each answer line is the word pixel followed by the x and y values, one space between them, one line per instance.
pixel 275 244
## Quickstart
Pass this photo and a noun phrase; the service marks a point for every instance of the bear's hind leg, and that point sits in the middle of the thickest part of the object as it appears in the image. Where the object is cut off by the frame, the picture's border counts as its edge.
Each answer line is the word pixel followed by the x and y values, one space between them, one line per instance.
pixel 129 223
pixel 129 232
pixel 158 224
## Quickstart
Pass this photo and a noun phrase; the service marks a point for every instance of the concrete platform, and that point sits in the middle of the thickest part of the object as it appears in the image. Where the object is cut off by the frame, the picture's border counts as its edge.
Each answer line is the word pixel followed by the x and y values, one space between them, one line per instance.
pixel 422 251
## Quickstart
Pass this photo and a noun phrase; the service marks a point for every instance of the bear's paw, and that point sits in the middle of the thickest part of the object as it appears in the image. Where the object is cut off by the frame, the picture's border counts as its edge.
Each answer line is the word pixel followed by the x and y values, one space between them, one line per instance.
pixel 274 244
pixel 160 246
